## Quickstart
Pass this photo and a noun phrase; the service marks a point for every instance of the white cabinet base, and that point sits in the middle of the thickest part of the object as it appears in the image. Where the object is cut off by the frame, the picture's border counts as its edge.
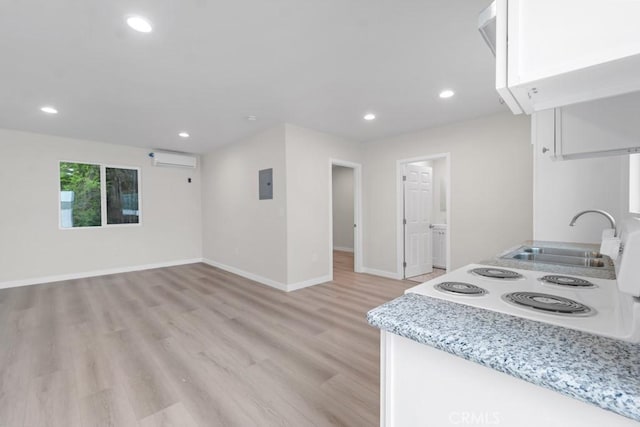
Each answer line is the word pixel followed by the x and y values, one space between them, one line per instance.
pixel 423 386
pixel 439 249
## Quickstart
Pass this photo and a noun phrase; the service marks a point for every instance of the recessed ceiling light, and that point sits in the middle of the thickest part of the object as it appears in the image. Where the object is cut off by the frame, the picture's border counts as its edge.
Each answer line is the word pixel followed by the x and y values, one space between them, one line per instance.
pixel 447 93
pixel 252 118
pixel 369 117
pixel 184 135
pixel 49 110
pixel 139 24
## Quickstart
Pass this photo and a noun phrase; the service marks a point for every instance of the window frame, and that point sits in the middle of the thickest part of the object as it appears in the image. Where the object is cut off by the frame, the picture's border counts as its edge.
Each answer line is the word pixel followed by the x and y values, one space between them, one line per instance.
pixel 103 195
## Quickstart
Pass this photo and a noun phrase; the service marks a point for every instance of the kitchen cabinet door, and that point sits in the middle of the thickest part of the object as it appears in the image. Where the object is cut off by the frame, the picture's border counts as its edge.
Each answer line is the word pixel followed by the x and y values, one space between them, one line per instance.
pixel 604 127
pixel 440 247
pixel 559 53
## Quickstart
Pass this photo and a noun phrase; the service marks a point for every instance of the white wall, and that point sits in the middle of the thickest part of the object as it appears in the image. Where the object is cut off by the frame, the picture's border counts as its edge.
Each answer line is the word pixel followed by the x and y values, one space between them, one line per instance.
pixel 440 174
pixel 242 233
pixel 633 179
pixel 564 188
pixel 491 175
pixel 287 240
pixel 33 247
pixel 308 155
pixel 284 242
pixel 342 179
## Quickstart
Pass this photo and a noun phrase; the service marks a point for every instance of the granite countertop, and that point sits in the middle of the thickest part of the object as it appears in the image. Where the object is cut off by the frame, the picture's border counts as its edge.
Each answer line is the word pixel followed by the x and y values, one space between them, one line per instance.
pixel 597 273
pixel 596 370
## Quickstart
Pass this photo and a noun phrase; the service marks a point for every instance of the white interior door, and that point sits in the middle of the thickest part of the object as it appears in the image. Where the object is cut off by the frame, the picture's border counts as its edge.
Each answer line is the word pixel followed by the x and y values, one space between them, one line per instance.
pixel 418 198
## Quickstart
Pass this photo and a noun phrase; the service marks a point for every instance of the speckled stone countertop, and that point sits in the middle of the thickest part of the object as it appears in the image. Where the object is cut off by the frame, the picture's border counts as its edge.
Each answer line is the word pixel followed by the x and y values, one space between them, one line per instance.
pixel 596 370
pixel 598 273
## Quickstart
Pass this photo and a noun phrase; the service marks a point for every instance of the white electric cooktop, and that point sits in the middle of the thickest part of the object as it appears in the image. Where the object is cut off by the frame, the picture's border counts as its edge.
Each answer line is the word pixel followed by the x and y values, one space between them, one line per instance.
pixel 576 302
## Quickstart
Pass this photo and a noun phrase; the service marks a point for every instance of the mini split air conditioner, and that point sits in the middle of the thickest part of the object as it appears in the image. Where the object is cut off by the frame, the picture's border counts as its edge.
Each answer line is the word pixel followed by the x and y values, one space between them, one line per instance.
pixel 177 160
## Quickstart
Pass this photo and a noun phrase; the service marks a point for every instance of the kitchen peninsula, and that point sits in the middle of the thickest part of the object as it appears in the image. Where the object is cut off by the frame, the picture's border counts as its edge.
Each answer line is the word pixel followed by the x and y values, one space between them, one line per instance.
pixel 452 361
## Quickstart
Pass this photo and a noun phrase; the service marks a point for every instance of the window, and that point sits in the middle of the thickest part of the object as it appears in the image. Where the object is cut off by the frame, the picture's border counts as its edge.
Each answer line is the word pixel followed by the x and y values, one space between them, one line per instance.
pixel 122 196
pixel 95 195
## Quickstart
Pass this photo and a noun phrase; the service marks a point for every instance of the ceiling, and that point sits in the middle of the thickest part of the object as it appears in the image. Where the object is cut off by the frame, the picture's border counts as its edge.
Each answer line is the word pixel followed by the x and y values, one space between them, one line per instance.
pixel 208 64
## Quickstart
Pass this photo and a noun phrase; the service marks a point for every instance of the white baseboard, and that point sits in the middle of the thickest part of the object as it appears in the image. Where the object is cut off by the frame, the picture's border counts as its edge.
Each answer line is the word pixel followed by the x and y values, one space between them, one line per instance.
pixel 246 274
pixel 342 248
pixel 105 272
pixel 382 273
pixel 94 273
pixel 266 281
pixel 310 282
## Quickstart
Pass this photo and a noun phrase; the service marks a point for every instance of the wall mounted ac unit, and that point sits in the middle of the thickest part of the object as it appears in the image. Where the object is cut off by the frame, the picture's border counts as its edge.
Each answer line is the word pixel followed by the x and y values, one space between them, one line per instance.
pixel 177 160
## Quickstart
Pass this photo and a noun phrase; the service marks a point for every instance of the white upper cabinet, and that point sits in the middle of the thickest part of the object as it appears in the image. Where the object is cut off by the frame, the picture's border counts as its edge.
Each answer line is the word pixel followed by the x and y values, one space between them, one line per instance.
pixel 604 127
pixel 552 53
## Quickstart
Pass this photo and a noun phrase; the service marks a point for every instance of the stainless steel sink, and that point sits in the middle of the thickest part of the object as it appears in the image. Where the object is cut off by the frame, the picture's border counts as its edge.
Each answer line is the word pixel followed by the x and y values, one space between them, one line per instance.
pixel 560 259
pixel 560 256
pixel 562 252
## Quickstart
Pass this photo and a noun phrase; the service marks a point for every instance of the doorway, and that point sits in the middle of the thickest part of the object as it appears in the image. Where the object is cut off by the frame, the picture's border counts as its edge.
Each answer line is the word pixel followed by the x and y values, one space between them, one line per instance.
pixel 423 213
pixel 345 216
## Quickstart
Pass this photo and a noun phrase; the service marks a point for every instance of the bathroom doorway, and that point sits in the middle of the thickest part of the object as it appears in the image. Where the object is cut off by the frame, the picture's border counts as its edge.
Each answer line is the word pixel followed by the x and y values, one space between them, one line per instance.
pixel 423 213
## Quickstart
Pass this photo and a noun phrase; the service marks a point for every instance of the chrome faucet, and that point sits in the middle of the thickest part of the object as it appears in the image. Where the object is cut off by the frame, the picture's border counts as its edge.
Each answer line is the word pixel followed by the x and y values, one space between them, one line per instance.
pixel 603 213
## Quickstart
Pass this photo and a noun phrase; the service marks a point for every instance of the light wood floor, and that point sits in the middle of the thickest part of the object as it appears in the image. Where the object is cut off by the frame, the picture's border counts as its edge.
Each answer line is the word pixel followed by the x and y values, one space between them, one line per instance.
pixel 191 346
pixel 425 277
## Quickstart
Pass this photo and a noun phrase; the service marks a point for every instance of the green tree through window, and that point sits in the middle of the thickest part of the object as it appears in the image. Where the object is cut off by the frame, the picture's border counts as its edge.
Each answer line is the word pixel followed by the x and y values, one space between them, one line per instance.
pixel 122 196
pixel 82 182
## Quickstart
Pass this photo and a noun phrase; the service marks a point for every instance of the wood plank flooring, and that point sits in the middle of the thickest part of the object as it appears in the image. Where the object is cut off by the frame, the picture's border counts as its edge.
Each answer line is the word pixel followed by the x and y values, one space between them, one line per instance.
pixel 426 277
pixel 191 346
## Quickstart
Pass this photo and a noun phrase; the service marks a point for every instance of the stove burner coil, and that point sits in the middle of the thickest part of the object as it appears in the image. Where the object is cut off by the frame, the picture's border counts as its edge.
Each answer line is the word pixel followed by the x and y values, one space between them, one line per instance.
pixel 460 288
pixel 548 303
pixel 496 273
pixel 567 281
